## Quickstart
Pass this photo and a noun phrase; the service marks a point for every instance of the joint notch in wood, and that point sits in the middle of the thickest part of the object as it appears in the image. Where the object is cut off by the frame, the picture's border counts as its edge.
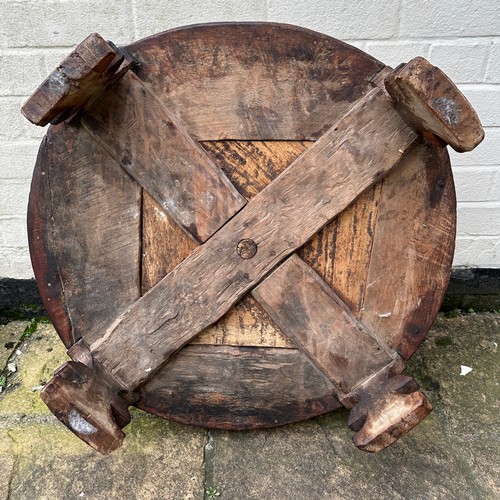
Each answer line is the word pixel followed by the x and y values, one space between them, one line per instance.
pixel 78 81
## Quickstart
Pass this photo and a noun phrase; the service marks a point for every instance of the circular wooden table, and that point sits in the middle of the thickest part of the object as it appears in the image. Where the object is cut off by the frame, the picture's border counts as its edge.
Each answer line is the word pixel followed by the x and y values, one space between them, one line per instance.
pixel 253 99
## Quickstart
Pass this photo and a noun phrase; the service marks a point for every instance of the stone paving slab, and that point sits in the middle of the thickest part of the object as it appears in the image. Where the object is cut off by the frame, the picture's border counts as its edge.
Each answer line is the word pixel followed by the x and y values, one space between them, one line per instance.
pixel 159 460
pixel 10 335
pixel 41 459
pixel 454 453
pixel 469 404
pixel 317 460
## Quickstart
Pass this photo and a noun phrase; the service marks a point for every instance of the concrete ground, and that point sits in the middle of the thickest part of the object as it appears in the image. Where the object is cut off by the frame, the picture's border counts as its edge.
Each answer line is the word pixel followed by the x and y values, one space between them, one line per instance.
pixel 454 453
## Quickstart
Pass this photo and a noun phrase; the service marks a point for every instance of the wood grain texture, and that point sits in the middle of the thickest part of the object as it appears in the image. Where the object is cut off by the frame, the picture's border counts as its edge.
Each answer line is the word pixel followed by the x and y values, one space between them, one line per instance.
pixel 242 388
pixel 87 224
pixel 253 165
pixel 281 218
pixel 159 154
pixel 433 103
pixel 165 246
pixel 317 321
pixel 250 166
pixel 412 249
pixel 78 81
pixel 340 252
pixel 258 81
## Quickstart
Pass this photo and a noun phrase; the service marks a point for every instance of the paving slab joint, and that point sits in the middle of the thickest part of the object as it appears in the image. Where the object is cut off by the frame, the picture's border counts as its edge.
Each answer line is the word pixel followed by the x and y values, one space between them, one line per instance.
pixel 14 469
pixel 208 464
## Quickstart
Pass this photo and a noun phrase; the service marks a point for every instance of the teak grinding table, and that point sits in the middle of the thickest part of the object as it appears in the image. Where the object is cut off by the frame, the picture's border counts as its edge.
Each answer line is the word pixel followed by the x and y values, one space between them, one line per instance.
pixel 242 225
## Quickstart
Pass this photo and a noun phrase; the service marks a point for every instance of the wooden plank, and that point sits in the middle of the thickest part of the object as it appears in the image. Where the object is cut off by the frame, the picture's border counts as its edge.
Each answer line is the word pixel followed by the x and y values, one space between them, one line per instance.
pixel 253 165
pixel 43 258
pixel 250 166
pixel 154 149
pixel 245 324
pixel 243 388
pixel 165 246
pixel 263 81
pixel 340 252
pixel 281 218
pixel 81 78
pixel 412 249
pixel 321 325
pixel 87 244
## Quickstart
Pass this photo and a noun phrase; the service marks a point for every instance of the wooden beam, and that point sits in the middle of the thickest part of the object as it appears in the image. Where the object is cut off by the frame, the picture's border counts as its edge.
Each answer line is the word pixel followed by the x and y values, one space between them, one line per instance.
pixel 156 150
pixel 356 152
pixel 314 317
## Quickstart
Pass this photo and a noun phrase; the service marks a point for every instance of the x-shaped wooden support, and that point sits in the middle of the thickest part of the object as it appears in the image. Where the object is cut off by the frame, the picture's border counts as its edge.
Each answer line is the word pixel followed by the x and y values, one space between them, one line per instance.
pixel 249 247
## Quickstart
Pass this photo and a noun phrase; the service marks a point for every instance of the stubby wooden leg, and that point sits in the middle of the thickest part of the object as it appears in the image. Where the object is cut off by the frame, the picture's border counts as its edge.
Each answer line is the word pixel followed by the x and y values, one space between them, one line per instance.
pixel 389 412
pixel 88 405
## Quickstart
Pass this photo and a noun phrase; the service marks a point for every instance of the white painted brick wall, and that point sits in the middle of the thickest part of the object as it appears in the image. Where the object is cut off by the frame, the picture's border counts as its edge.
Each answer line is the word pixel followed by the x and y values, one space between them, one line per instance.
pixel 459 36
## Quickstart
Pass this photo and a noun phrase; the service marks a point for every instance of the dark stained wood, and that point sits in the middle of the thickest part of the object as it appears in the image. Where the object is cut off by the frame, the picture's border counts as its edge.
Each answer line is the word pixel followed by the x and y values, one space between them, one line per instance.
pixel 87 215
pixel 310 313
pixel 281 218
pixel 159 154
pixel 432 102
pixel 412 249
pixel 78 81
pixel 42 252
pixel 98 417
pixel 243 388
pixel 262 81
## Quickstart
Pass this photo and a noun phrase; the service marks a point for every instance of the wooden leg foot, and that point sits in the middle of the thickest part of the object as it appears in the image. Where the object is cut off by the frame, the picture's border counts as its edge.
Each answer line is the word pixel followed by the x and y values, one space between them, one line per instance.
pixel 390 412
pixel 88 406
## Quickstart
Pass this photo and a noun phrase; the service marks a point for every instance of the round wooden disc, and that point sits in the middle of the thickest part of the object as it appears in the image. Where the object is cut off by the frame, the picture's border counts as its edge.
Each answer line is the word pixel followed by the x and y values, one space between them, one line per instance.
pixel 256 96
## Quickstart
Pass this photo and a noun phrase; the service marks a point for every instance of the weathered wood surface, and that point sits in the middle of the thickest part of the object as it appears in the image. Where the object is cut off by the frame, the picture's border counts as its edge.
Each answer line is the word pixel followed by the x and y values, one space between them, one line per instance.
pixel 340 252
pixel 280 219
pixel 88 406
pixel 253 165
pixel 78 81
pixel 412 250
pixel 160 155
pixel 316 319
pixel 250 166
pixel 242 388
pixel 262 81
pixel 388 410
pixel 307 90
pixel 85 223
pixel 432 102
pixel 165 246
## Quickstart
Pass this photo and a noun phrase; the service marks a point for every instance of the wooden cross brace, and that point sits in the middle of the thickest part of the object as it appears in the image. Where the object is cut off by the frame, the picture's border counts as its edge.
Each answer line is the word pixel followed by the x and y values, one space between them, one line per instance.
pixel 245 247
